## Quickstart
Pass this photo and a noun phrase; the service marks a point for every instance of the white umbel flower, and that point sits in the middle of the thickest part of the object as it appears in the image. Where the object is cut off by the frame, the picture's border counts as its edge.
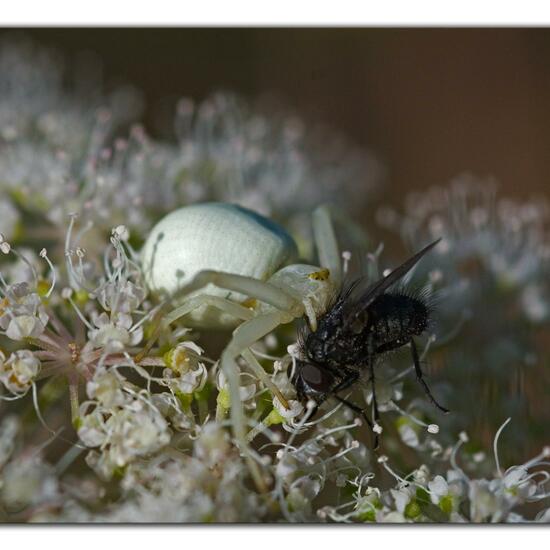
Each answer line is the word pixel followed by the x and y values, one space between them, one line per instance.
pixel 19 371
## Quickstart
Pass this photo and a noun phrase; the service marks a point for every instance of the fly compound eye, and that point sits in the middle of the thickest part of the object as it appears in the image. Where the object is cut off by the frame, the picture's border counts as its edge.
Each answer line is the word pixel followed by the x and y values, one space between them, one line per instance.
pixel 316 378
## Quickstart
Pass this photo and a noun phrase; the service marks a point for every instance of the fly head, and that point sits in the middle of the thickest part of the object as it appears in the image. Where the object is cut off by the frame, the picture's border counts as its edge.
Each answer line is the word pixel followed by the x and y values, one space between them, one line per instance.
pixel 312 381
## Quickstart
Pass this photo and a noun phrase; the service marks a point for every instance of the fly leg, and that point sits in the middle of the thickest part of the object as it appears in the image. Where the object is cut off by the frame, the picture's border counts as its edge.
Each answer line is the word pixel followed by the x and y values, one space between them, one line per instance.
pixel 420 378
pixel 350 378
pixel 355 409
pixel 348 381
pixel 363 414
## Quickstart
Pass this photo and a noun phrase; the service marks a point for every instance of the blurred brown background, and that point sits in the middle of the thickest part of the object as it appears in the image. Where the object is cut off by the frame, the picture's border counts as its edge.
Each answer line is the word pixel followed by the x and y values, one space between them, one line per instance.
pixel 431 103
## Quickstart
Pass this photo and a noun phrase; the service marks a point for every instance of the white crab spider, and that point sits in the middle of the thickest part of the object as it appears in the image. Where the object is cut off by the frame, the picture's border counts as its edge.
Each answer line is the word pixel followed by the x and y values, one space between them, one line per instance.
pixel 201 246
pixel 222 265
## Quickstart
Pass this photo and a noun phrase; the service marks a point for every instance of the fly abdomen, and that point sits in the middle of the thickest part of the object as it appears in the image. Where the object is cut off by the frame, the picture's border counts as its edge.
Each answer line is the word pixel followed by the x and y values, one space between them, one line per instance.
pixel 394 318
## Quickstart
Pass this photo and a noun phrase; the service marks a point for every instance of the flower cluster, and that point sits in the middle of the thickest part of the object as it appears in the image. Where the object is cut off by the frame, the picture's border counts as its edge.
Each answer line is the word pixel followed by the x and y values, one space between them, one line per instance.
pixel 110 413
pixel 489 279
pixel 451 496
pixel 59 153
pixel 123 426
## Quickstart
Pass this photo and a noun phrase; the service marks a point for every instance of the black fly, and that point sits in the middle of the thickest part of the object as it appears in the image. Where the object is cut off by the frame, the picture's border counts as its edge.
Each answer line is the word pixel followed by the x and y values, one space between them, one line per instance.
pixel 362 324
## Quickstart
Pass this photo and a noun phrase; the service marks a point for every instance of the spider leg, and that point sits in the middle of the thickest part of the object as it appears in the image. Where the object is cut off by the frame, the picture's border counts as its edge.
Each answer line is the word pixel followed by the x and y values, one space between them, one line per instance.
pixel 243 337
pixel 253 288
pixel 162 317
pixel 325 240
pixel 420 378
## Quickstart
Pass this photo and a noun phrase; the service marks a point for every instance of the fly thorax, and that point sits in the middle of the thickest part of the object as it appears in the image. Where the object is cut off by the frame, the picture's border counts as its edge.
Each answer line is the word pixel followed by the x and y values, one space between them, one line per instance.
pixel 328 344
pixel 316 346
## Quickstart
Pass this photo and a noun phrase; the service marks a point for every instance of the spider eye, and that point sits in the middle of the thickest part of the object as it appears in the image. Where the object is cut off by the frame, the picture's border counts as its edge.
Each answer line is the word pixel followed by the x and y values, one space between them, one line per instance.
pixel 317 378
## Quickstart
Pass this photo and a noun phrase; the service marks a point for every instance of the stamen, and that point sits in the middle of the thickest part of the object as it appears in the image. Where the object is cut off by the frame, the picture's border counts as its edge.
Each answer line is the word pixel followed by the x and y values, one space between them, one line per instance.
pixel 431 428
pixel 545 453
pixel 372 259
pixel 37 409
pixel 4 284
pixel 346 256
pixel 319 420
pixel 44 255
pixel 68 261
pixel 28 264
pixel 336 430
pixel 495 446
pixel 66 294
pixel 462 438
pixel 384 461
pixel 13 398
pixel 85 229
pixel 353 445
pixel 263 428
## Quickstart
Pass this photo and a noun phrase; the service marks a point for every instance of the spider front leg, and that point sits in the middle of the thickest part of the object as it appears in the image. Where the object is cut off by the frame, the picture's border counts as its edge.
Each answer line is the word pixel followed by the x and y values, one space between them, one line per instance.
pixel 248 286
pixel 253 288
pixel 243 337
pixel 420 378
pixel 222 304
pixel 239 312
pixel 163 318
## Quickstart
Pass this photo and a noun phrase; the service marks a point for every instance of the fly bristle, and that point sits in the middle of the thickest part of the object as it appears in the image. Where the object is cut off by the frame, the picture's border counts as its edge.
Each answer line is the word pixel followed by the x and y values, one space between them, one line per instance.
pixel 303 332
pixel 422 295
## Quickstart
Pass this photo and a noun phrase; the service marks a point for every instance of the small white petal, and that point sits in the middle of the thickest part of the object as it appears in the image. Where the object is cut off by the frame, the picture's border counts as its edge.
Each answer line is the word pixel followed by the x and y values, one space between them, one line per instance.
pixel 439 486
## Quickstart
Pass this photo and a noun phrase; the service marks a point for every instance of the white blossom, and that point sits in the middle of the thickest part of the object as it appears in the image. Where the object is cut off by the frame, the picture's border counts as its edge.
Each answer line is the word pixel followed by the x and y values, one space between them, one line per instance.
pixel 22 314
pixel 114 331
pixel 106 388
pixel 19 371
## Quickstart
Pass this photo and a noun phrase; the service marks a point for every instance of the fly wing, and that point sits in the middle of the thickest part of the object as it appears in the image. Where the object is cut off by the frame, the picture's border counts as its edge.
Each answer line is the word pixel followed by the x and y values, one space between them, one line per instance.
pixel 355 300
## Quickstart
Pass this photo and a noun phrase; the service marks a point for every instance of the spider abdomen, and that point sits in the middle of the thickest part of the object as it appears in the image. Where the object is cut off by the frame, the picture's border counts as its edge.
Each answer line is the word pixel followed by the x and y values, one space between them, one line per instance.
pixel 218 237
